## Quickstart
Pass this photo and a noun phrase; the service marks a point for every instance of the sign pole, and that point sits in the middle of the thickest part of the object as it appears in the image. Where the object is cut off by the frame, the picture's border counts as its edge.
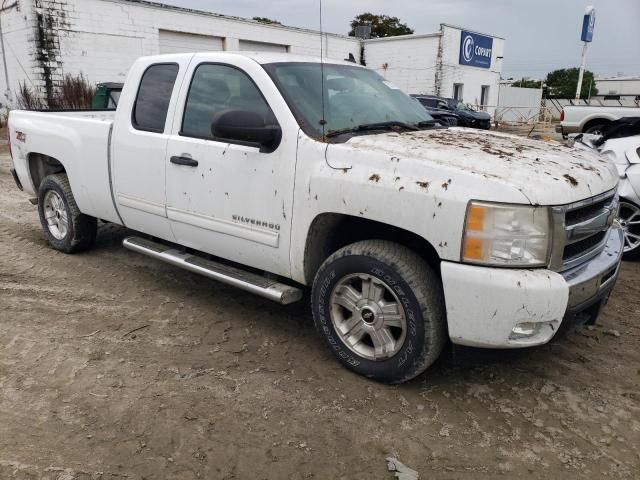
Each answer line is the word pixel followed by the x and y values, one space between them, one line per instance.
pixel 588 24
pixel 581 74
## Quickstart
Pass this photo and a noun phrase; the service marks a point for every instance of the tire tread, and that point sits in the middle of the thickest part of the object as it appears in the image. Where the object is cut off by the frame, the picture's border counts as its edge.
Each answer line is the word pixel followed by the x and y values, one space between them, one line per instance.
pixel 83 227
pixel 424 283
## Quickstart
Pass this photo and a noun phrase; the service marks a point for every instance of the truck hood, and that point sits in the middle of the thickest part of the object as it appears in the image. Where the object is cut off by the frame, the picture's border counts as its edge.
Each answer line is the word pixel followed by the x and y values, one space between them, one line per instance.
pixel 546 173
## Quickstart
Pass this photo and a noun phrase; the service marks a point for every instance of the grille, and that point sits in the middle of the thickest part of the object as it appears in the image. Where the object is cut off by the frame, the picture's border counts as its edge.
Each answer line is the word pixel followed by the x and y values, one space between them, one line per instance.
pixel 584 213
pixel 583 229
pixel 577 249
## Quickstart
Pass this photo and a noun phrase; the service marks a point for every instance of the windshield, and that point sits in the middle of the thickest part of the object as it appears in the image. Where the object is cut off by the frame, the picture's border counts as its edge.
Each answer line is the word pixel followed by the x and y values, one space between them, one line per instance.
pixel 353 97
pixel 464 106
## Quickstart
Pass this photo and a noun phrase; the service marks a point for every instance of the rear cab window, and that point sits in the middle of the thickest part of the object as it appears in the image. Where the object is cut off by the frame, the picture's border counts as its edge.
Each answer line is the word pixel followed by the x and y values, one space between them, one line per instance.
pixel 154 96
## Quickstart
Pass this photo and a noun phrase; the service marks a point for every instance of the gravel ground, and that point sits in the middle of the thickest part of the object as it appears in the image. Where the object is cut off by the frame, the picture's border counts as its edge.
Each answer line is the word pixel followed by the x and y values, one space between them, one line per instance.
pixel 113 365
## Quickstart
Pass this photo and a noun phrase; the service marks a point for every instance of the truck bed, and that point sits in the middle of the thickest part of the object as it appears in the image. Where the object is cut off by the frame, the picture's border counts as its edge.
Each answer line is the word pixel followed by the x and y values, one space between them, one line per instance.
pixel 79 139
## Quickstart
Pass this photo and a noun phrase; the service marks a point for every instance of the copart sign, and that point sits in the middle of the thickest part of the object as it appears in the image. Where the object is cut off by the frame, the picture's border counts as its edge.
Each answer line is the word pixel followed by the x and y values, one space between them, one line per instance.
pixel 475 50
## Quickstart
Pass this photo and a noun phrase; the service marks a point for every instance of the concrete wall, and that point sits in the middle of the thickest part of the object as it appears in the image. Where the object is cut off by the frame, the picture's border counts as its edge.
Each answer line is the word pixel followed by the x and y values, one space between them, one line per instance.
pixel 408 61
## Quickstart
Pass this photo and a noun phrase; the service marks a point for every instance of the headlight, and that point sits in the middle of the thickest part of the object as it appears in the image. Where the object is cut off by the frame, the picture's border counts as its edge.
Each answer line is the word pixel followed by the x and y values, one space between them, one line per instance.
pixel 506 235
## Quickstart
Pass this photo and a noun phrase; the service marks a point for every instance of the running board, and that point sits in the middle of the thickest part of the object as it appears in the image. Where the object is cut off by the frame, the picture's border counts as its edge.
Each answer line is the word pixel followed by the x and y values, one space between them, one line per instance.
pixel 251 282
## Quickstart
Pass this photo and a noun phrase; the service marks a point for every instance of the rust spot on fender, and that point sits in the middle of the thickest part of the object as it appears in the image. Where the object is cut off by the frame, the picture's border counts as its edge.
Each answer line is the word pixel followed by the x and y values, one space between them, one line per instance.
pixel 374 178
pixel 424 185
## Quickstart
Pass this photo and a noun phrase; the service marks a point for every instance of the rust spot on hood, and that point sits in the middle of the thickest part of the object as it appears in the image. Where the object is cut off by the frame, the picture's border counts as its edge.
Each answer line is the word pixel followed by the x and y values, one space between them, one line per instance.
pixel 424 185
pixel 374 178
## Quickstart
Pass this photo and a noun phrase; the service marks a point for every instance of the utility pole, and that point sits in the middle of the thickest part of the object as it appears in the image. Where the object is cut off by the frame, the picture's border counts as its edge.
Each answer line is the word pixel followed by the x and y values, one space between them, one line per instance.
pixel 3 9
pixel 588 24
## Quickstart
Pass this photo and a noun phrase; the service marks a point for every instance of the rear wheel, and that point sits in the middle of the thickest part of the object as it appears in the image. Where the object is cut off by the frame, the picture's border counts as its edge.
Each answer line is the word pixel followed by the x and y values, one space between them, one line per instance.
pixel 65 227
pixel 380 308
pixel 629 218
pixel 595 129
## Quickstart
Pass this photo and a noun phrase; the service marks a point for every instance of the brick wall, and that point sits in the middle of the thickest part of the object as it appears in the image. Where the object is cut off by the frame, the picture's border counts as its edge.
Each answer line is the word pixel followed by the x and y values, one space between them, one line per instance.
pixel 408 62
pixel 102 38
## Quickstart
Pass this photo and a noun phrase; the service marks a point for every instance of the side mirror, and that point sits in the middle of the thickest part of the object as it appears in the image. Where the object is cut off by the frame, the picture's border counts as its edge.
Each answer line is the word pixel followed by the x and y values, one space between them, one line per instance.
pixel 246 127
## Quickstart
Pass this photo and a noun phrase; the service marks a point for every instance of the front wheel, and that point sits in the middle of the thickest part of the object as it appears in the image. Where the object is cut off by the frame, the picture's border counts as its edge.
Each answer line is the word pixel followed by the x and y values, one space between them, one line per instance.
pixel 380 308
pixel 66 228
pixel 629 218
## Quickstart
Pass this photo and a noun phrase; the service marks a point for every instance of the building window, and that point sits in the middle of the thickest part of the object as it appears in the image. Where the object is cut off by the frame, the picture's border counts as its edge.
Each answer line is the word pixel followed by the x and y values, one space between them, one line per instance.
pixel 457 91
pixel 154 96
pixel 484 95
pixel 216 88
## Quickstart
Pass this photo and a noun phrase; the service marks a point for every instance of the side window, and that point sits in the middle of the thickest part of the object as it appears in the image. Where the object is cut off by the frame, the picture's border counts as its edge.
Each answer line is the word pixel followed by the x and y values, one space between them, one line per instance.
pixel 154 95
pixel 215 88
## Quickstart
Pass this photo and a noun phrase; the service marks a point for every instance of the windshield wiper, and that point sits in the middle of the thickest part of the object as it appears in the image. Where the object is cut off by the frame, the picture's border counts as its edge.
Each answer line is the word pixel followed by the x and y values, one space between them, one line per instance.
pixel 375 126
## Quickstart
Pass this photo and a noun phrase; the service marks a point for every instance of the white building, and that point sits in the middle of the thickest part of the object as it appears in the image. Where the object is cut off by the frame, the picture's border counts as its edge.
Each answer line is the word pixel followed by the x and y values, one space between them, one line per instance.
pixel 616 86
pixel 436 64
pixel 43 40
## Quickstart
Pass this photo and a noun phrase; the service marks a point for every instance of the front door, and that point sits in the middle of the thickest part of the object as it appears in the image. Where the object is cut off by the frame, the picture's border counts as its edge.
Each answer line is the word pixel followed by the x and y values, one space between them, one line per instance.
pixel 224 198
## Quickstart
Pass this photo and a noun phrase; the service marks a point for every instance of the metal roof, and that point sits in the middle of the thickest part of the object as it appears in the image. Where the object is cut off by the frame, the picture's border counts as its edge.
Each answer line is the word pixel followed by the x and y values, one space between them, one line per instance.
pixel 193 11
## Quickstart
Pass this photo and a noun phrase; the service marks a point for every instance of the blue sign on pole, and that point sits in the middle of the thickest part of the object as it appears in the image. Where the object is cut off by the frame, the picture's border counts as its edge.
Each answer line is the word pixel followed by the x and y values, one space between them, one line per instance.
pixel 475 50
pixel 588 24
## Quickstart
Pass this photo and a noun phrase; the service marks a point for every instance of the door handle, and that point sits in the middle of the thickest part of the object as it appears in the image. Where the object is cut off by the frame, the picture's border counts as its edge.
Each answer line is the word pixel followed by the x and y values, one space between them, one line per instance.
pixel 187 161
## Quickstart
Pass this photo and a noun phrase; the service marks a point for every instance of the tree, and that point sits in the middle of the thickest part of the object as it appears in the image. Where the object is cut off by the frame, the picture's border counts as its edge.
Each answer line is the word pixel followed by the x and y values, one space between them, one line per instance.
pixel 381 25
pixel 267 21
pixel 526 83
pixel 562 83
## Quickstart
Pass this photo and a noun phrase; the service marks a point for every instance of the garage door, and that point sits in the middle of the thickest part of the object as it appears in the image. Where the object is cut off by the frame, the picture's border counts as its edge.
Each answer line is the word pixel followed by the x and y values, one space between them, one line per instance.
pixel 250 46
pixel 178 42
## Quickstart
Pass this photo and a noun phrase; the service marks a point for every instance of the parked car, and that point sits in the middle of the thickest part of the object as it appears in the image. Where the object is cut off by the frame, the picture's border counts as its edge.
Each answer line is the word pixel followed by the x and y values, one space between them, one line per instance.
pixel 407 233
pixel 591 119
pixel 467 116
pixel 439 112
pixel 620 143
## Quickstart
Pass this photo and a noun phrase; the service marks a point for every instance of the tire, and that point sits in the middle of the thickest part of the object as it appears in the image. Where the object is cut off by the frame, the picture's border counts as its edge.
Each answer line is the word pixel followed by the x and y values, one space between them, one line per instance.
pixel 629 218
pixel 595 129
pixel 408 283
pixel 65 227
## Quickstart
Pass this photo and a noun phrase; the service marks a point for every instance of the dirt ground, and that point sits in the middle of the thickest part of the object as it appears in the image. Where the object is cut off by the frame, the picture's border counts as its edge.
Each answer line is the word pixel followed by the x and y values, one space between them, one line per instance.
pixel 113 365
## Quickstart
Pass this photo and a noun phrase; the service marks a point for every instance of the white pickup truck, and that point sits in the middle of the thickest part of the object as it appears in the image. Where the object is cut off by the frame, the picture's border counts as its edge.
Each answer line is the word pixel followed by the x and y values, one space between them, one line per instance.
pixel 408 233
pixel 591 119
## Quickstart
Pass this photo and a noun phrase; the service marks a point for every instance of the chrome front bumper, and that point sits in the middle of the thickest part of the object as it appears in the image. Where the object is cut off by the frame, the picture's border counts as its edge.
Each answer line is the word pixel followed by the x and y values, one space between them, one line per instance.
pixel 592 282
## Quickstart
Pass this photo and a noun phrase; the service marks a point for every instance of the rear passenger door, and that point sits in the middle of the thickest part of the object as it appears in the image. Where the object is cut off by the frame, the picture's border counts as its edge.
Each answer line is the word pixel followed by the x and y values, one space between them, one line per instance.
pixel 231 199
pixel 139 143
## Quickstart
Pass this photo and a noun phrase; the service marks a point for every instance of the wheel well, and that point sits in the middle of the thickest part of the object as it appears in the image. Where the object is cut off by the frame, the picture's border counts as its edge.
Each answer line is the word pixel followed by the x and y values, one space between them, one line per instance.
pixel 41 165
pixel 330 232
pixel 595 121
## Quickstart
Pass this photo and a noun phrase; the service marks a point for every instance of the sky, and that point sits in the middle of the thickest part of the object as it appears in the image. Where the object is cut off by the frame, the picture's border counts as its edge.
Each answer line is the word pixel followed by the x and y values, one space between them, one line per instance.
pixel 541 35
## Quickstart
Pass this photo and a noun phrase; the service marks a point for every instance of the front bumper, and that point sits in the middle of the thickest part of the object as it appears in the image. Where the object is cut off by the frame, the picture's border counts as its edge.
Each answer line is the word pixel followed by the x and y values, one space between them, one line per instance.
pixel 496 307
